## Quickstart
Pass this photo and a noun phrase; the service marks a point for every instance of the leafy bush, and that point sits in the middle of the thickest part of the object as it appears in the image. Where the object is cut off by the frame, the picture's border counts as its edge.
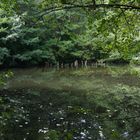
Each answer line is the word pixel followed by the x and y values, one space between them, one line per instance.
pixel 136 59
pixel 4 54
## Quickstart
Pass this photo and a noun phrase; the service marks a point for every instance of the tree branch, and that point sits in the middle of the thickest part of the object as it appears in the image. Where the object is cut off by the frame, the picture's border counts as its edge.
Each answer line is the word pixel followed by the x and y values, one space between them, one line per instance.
pixel 90 6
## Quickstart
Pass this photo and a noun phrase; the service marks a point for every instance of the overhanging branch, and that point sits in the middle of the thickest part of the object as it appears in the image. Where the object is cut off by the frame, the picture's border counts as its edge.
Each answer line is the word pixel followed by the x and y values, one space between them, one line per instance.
pixel 89 6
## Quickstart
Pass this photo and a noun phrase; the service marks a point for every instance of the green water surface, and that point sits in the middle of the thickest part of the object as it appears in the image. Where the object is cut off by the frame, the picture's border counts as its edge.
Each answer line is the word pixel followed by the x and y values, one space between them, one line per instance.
pixel 71 104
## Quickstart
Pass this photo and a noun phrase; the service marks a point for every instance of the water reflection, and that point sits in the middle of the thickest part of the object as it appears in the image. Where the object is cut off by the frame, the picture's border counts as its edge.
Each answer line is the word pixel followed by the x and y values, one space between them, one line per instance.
pixel 81 104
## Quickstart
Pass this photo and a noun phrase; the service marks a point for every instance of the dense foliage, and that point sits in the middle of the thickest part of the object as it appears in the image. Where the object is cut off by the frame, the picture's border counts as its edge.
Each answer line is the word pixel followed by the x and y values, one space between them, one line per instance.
pixel 34 32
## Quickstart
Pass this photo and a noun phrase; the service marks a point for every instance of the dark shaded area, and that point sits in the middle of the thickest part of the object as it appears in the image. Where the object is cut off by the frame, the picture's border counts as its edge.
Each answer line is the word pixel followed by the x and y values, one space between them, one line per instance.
pixel 68 115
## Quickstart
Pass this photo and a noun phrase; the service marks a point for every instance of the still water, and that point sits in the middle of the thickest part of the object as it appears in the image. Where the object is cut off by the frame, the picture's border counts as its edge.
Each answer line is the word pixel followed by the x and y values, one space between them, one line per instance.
pixel 71 104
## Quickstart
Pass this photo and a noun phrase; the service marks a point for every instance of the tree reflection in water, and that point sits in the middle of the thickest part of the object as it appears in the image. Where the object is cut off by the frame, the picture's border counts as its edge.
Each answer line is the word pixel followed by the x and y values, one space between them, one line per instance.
pixel 97 113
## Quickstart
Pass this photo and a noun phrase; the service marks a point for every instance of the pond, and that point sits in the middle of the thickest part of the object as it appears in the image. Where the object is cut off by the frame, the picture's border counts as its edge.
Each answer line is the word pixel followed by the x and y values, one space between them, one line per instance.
pixel 71 104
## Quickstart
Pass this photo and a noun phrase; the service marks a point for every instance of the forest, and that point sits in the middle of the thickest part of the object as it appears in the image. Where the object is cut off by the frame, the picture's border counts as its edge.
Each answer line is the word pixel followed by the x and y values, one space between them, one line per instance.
pixel 69 69
pixel 62 31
